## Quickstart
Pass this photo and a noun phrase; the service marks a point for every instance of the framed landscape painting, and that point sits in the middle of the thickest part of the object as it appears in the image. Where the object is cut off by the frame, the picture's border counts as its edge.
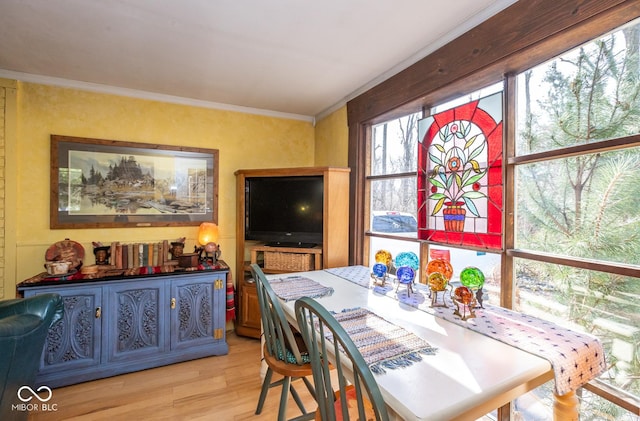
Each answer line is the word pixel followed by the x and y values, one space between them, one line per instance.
pixel 98 183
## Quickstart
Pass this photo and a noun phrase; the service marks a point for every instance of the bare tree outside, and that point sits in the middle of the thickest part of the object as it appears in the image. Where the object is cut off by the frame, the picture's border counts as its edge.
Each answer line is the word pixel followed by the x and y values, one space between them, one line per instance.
pixel 394 151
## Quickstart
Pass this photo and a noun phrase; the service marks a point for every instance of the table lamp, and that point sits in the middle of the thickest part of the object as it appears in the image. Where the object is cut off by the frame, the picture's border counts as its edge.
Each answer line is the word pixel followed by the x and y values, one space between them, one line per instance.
pixel 208 239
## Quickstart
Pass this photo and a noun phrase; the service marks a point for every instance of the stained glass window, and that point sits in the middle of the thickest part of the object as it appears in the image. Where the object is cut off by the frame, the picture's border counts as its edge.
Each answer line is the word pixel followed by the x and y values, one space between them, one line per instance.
pixel 460 175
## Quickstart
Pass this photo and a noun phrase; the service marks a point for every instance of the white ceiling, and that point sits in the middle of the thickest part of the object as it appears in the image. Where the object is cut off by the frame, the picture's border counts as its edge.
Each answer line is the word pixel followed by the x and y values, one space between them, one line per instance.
pixel 295 58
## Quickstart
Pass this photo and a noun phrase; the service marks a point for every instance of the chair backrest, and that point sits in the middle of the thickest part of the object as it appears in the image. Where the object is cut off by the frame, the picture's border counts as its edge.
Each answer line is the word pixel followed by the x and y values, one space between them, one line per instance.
pixel 325 336
pixel 24 327
pixel 279 338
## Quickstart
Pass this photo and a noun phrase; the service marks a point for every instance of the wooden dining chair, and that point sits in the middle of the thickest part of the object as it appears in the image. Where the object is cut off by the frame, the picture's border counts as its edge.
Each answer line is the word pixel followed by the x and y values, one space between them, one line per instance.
pixel 340 396
pixel 281 350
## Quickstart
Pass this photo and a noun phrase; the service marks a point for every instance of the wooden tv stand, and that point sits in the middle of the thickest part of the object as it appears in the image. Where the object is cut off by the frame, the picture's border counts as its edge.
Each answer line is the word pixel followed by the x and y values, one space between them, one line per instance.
pixel 333 252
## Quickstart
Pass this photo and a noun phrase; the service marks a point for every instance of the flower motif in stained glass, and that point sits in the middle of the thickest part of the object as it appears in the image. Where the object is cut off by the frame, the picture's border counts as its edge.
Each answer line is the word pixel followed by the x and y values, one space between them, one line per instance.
pixel 460 175
pixel 455 158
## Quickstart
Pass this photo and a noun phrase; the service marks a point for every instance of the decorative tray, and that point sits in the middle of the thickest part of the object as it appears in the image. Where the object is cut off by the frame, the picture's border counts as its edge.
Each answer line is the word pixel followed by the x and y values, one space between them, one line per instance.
pixel 66 251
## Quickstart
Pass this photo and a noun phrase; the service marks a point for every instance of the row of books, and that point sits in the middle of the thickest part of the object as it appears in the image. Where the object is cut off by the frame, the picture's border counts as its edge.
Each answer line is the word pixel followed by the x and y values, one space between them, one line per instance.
pixel 125 256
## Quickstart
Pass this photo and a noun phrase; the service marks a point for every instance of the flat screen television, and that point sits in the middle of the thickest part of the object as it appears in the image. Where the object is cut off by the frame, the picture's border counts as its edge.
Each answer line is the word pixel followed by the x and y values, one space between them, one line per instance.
pixel 284 211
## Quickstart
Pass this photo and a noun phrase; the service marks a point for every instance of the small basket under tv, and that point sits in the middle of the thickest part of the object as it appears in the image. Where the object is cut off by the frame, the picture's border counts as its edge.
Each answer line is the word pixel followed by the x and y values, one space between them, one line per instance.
pixel 287 261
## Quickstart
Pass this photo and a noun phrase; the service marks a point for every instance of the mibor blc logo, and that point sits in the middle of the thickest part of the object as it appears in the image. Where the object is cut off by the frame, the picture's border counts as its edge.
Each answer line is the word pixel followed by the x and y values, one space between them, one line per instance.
pixel 32 401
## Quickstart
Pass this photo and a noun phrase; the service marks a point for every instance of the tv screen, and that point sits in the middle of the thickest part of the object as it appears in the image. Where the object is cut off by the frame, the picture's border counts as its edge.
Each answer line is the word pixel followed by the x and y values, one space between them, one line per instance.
pixel 284 211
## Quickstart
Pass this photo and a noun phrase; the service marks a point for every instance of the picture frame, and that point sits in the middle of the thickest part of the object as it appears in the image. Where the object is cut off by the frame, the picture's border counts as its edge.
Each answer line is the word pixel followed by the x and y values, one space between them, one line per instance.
pixel 99 183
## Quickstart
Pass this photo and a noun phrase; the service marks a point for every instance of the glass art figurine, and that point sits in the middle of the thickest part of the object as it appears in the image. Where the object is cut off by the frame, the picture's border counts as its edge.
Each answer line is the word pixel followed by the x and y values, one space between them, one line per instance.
pixel 379 274
pixel 384 256
pixel 444 270
pixel 437 283
pixel 406 275
pixel 473 278
pixel 463 299
pixel 408 258
pixel 440 265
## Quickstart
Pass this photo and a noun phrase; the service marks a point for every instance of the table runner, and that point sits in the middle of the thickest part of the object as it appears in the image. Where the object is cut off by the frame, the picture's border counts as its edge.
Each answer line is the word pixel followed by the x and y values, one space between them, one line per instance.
pixel 576 357
pixel 382 344
pixel 294 287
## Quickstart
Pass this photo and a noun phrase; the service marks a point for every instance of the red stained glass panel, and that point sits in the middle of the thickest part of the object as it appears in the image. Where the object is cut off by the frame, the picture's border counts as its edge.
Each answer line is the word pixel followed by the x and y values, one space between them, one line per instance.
pixel 460 175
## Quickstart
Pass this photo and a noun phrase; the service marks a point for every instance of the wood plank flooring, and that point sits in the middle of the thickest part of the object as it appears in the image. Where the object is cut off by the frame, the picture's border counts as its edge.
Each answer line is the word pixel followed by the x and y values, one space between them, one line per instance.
pixel 216 388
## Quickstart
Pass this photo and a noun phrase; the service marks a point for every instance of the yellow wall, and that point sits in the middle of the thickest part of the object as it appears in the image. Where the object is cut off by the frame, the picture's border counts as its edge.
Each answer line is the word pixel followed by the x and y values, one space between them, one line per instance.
pixel 332 140
pixel 244 141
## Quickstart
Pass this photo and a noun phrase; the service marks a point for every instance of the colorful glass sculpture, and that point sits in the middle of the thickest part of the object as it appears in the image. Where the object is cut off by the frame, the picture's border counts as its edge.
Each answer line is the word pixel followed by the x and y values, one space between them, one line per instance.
pixel 472 277
pixel 379 270
pixel 442 266
pixel 384 256
pixel 379 274
pixel 464 300
pixel 408 258
pixel 405 274
pixel 437 282
pixel 463 295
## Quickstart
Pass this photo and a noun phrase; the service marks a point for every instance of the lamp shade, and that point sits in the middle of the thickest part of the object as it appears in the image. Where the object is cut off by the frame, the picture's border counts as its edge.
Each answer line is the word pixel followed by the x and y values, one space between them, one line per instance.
pixel 208 233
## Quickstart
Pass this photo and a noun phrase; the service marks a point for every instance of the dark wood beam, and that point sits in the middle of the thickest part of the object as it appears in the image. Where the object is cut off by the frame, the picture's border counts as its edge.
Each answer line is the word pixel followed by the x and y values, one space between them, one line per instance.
pixel 524 34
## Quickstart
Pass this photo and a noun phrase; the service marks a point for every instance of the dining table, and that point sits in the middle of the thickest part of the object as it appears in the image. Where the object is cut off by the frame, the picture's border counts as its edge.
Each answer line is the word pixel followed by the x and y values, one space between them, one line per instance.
pixel 468 375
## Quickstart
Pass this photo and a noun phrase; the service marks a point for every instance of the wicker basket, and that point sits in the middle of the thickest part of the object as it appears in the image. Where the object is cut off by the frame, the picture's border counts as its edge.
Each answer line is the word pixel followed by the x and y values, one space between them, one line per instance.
pixel 293 262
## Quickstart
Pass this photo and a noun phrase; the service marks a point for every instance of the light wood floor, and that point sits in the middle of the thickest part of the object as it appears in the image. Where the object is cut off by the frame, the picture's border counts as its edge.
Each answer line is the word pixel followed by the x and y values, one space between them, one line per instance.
pixel 217 388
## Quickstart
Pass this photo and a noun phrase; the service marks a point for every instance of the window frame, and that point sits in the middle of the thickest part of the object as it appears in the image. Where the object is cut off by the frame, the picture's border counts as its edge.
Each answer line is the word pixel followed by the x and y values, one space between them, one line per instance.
pixel 520 37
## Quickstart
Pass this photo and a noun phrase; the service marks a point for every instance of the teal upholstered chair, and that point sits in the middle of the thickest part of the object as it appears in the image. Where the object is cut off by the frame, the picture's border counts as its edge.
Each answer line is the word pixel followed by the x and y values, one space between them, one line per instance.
pixel 24 325
pixel 281 350
pixel 340 396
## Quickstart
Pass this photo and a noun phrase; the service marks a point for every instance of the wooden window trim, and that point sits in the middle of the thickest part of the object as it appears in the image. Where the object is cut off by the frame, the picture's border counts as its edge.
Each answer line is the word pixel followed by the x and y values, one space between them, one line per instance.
pixel 582 149
pixel 523 35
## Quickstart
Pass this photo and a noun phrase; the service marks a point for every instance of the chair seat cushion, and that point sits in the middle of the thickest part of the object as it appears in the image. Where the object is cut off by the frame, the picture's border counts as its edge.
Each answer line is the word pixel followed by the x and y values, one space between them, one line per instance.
pixel 352 405
pixel 289 357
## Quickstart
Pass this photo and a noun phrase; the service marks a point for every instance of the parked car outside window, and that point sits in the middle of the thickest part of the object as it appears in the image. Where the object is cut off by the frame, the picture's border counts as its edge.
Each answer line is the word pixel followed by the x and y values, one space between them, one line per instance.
pixel 394 222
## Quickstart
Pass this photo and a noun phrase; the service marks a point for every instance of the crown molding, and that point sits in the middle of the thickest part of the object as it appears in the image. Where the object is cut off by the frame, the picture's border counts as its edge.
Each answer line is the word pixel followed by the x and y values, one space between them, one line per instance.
pixel 134 93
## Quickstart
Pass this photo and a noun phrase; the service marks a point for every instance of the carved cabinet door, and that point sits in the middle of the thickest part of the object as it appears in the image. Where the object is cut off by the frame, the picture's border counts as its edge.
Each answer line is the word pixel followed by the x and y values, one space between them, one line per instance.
pixel 136 321
pixel 197 310
pixel 74 341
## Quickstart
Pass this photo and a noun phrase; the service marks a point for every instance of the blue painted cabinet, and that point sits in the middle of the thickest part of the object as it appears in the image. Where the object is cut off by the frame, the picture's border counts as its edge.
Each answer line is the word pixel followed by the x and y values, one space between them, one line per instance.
pixel 193 304
pixel 136 320
pixel 122 325
pixel 73 343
